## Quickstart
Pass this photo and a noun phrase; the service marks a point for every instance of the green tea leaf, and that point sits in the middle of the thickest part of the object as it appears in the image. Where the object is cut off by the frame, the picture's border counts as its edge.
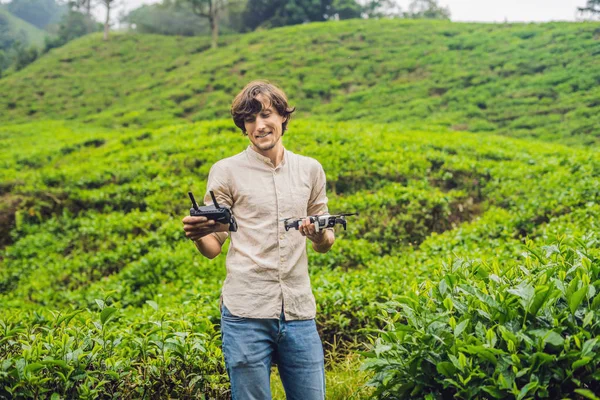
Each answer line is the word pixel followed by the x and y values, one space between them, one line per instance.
pixel 588 394
pixel 446 368
pixel 542 294
pixel 106 314
pixel 152 304
pixel 59 363
pixel 554 339
pixel 548 336
pixel 577 298
pixel 448 303
pixel 494 392
pixel 484 353
pixel 541 359
pixel 572 287
pixel 461 327
pixel 596 302
pixel 507 335
pixel 581 362
pixel 67 318
pixel 33 367
pixel 525 293
pixel 531 386
pixel 588 347
pixel 443 287
pixel 588 318
pixel 20 367
pixel 100 303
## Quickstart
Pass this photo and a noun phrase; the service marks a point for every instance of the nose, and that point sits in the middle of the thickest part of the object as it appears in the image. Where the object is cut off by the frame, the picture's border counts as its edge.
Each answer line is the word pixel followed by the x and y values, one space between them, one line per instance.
pixel 260 124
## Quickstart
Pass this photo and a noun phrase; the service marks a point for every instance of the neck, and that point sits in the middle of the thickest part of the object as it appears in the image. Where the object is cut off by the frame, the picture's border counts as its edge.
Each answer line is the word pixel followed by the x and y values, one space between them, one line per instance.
pixel 275 154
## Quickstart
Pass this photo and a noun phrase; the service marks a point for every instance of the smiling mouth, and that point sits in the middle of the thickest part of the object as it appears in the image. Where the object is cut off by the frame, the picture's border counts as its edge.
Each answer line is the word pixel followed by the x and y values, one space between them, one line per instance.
pixel 262 136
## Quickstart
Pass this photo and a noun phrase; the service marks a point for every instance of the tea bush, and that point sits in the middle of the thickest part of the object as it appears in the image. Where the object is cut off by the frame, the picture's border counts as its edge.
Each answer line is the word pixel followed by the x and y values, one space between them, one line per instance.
pixel 500 328
pixel 103 353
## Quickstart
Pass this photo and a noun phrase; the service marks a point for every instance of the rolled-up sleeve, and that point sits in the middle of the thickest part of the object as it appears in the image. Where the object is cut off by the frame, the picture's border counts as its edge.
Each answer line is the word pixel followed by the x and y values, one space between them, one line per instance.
pixel 317 204
pixel 218 182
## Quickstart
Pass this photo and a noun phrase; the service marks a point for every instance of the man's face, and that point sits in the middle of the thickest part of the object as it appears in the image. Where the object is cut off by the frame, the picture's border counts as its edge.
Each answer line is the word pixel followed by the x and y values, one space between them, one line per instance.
pixel 264 129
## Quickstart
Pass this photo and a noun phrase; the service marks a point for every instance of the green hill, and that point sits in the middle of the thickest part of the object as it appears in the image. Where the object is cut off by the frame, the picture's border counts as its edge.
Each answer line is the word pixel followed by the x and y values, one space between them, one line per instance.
pixel 522 80
pixel 23 29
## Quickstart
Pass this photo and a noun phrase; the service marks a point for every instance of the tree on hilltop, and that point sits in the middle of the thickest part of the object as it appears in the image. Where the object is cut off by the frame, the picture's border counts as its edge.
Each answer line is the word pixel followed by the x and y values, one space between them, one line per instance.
pixel 592 8
pixel 275 13
pixel 427 9
pixel 164 19
pixel 74 24
pixel 345 9
pixel 108 4
pixel 85 5
pixel 381 9
pixel 211 10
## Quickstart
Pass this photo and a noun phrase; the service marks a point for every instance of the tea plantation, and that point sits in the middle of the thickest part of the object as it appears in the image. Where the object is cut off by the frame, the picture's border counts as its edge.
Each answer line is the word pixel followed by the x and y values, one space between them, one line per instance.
pixel 472 270
pixel 534 80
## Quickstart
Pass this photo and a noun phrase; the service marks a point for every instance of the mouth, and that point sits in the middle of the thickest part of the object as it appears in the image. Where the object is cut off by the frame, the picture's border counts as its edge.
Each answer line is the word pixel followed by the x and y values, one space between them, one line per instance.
pixel 262 136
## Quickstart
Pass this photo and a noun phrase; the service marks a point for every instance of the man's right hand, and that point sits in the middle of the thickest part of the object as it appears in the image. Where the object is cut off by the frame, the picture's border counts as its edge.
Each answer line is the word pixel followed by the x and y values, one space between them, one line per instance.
pixel 198 227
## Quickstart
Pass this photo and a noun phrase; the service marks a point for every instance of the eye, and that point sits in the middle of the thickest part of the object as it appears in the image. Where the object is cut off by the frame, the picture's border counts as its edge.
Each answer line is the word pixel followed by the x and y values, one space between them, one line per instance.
pixel 265 115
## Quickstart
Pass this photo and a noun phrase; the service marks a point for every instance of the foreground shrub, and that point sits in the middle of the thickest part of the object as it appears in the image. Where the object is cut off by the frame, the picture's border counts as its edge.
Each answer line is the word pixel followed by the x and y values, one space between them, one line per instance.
pixel 485 330
pixel 108 354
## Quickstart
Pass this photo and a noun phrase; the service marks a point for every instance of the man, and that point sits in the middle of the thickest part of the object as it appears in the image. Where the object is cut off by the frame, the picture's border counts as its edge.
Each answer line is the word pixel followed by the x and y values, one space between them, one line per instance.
pixel 267 306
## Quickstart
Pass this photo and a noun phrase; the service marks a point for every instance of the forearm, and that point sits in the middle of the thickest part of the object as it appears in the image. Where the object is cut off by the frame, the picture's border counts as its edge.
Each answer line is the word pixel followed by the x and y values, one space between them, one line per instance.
pixel 324 245
pixel 209 246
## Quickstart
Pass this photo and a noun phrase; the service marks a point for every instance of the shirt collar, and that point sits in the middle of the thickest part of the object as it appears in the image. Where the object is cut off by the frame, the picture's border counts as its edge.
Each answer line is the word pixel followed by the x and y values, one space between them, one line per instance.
pixel 266 160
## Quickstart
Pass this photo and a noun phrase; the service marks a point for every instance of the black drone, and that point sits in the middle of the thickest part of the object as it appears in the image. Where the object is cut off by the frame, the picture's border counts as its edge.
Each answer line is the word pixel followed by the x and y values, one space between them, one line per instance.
pixel 319 221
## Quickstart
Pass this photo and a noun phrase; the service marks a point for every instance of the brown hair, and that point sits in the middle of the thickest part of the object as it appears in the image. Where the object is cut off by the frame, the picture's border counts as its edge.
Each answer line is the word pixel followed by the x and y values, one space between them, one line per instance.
pixel 245 104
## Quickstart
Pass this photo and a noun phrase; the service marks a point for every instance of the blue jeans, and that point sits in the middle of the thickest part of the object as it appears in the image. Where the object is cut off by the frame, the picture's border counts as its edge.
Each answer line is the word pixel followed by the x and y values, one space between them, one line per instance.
pixel 251 345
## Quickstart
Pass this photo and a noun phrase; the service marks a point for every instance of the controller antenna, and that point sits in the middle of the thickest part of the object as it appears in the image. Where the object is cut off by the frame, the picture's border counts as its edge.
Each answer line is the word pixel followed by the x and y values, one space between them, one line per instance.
pixel 194 204
pixel 214 199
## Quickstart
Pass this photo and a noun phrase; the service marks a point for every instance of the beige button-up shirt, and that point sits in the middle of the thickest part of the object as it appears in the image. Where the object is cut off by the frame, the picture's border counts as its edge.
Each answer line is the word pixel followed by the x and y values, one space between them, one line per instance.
pixel 267 266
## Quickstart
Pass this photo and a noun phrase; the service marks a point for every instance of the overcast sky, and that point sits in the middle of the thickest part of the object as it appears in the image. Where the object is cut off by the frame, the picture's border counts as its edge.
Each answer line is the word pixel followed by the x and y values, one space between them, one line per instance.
pixel 475 10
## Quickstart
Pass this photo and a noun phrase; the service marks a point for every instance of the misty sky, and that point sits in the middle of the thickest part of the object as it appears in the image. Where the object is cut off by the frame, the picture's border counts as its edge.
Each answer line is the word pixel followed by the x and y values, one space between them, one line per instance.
pixel 477 10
